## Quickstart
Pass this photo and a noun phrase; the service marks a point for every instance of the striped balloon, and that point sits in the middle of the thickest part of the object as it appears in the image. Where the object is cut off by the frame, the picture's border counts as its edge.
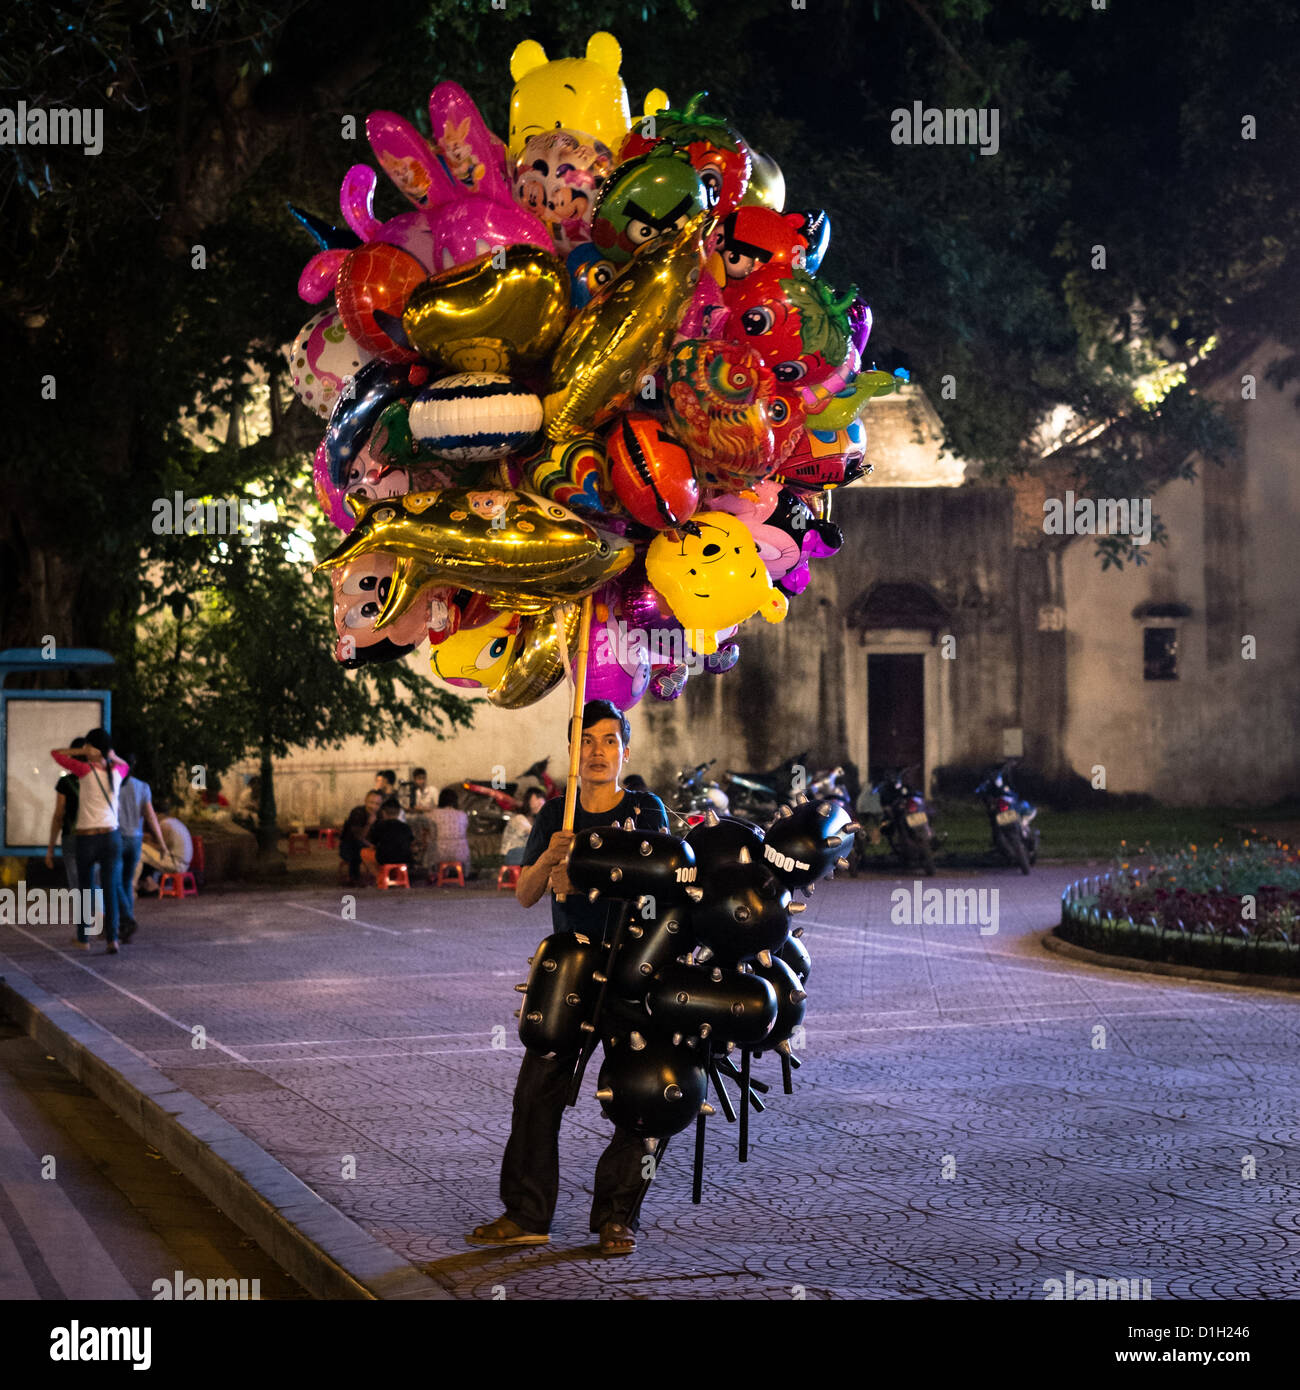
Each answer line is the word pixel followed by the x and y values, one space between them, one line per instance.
pixel 473 417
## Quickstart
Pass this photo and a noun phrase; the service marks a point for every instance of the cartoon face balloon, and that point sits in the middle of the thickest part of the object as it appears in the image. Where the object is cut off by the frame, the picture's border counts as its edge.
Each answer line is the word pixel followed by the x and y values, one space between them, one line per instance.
pixel 755 239
pixel 713 579
pixel 582 94
pixel 477 657
pixel 643 200
pixel 360 591
pixel 557 178
pixel 792 321
pixel 714 148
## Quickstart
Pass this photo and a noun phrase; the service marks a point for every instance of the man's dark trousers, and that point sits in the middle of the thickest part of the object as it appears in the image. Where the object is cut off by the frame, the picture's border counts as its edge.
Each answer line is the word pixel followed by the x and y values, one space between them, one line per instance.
pixel 530 1170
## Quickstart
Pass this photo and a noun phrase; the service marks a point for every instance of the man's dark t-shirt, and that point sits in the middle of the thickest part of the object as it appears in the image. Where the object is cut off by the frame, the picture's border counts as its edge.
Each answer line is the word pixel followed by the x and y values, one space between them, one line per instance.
pixel 575 913
pixel 392 841
pixel 71 790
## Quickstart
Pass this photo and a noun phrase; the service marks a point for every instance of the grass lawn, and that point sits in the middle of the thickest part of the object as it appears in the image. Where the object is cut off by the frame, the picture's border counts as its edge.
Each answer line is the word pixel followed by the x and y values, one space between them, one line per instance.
pixel 1097 834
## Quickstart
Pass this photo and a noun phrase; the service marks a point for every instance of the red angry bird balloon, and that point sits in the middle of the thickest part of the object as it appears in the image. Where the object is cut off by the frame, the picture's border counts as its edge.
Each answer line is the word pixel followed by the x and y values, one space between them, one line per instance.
pixel 756 239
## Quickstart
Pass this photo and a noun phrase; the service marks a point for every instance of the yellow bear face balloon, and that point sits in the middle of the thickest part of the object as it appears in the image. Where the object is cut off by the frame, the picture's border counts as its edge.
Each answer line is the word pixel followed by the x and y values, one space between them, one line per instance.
pixel 582 94
pixel 713 580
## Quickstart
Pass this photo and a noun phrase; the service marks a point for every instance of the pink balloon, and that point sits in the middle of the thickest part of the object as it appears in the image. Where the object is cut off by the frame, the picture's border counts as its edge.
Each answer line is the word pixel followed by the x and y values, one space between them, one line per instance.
pixel 328 493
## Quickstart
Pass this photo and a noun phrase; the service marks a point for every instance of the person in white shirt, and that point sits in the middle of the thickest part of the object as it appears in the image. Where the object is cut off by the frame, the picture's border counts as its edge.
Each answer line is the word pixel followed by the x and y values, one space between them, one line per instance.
pixel 173 853
pixel 520 826
pixel 423 796
pixel 100 774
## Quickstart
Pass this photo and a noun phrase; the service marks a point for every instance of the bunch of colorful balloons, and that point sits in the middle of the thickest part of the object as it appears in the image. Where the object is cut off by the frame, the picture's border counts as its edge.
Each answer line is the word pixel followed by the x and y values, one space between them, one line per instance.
pixel 597 361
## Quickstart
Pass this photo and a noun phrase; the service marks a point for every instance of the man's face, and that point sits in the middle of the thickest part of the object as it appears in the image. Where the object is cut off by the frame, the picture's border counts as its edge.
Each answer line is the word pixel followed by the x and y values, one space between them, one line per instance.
pixel 373 800
pixel 420 779
pixel 603 754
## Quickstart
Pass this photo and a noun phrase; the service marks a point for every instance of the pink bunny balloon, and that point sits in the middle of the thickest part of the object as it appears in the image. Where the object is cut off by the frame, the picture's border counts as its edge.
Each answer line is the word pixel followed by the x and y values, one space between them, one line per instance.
pixel 471 208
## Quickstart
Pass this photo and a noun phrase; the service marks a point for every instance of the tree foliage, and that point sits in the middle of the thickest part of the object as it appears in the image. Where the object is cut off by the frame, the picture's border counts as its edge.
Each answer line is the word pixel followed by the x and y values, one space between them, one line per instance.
pixel 1120 127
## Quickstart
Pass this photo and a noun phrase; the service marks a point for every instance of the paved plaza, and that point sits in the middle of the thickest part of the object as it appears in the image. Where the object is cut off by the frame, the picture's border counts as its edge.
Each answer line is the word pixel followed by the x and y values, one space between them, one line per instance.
pixel 974 1117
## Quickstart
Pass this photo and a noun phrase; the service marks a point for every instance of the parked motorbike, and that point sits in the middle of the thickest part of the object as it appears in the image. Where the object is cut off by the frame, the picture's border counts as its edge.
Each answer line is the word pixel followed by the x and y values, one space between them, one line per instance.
pixel 490 807
pixel 757 796
pixel 695 794
pixel 905 821
pixel 1015 836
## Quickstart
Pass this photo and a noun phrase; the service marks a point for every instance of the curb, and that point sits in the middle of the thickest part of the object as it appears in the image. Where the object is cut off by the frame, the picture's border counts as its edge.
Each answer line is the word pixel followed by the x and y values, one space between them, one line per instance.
pixel 1059 946
pixel 313 1242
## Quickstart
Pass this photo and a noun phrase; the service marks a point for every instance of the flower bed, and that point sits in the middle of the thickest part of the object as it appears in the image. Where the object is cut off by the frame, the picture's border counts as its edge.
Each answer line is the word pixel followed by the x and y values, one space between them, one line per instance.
pixel 1219 909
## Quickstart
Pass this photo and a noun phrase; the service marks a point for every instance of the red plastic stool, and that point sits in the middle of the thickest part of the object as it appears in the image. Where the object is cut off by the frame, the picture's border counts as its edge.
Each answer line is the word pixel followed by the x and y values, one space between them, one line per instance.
pixel 390 874
pixel 328 836
pixel 177 885
pixel 299 843
pixel 449 871
pixel 508 876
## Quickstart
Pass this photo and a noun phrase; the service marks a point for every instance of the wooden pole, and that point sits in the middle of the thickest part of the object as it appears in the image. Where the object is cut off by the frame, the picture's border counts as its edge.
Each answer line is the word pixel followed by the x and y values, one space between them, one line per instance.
pixel 575 723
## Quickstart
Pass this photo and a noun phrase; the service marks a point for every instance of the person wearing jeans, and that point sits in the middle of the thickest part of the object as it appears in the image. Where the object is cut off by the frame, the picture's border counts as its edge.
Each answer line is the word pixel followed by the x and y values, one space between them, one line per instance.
pixel 135 814
pixel 100 774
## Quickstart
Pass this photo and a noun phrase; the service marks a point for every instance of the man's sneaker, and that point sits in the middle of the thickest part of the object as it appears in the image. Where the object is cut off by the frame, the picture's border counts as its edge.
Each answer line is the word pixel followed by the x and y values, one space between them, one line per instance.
pixel 80 945
pixel 112 949
pixel 129 927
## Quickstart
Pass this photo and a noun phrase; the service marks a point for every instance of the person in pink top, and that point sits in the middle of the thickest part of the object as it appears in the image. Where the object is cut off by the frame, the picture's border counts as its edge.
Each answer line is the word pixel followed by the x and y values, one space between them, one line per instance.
pixel 100 774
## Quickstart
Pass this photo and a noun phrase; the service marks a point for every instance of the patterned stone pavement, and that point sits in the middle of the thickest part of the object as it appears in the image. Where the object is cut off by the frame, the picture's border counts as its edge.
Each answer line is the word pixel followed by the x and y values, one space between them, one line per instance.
pixel 974 1117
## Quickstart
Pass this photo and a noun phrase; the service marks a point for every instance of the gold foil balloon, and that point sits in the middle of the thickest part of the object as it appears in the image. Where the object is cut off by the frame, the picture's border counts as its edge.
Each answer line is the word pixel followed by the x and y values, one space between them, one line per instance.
pixel 539 662
pixel 623 334
pixel 485 316
pixel 766 183
pixel 522 552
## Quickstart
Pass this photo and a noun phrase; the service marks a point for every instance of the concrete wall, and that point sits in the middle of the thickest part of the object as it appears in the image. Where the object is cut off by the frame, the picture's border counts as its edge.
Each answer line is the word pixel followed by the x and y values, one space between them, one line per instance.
pixel 1227 728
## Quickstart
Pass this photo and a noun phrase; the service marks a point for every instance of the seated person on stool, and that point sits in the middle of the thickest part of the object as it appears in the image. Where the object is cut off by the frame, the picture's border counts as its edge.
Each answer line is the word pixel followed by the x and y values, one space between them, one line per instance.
pixel 520 826
pixel 390 835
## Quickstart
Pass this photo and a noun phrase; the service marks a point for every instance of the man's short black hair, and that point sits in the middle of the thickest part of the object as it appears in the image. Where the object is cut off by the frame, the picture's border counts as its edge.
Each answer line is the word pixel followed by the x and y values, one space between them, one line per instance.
pixel 594 711
pixel 392 805
pixel 418 772
pixel 100 739
pixel 388 775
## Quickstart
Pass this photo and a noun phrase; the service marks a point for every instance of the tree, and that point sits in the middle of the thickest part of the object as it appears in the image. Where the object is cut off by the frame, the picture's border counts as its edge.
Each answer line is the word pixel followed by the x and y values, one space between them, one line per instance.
pixel 237 659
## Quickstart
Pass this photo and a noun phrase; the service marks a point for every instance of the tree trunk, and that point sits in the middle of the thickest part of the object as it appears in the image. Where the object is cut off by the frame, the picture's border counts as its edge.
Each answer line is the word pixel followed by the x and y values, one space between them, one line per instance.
pixel 269 858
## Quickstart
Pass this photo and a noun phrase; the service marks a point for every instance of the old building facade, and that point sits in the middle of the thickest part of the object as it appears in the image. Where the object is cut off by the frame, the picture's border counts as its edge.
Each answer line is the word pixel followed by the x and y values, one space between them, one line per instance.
pixel 951 630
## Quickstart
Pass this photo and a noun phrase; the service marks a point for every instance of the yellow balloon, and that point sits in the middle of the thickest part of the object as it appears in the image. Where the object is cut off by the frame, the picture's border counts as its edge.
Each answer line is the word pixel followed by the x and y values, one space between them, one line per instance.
pixel 623 334
pixel 522 552
pixel 477 656
pixel 766 184
pixel 538 665
pixel 486 317
pixel 583 94
pixel 713 580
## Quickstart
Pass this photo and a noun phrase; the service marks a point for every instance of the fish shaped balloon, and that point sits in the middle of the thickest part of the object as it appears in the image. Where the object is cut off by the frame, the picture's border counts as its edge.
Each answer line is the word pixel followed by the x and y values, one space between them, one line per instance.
pixel 520 551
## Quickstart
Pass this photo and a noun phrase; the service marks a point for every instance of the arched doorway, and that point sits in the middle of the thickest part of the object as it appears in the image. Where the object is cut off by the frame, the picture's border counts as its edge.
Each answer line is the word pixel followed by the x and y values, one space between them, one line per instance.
pixel 896 686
